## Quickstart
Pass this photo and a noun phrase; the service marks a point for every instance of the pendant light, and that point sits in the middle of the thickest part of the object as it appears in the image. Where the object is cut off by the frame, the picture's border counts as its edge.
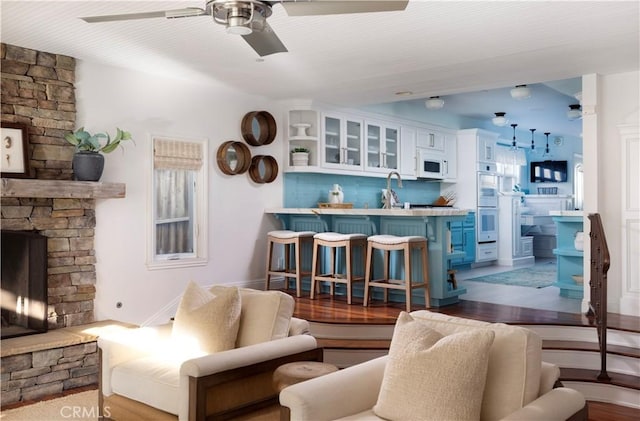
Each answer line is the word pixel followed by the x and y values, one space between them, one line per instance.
pixel 514 146
pixel 546 149
pixel 533 143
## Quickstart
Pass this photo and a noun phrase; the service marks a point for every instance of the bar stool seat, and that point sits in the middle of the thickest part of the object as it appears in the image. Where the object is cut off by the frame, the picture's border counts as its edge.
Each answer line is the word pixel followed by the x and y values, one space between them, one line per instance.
pixel 289 239
pixel 335 241
pixel 406 244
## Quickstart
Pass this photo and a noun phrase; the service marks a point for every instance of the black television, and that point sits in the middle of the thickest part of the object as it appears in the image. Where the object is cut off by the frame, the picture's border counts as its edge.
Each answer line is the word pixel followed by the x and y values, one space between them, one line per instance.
pixel 548 171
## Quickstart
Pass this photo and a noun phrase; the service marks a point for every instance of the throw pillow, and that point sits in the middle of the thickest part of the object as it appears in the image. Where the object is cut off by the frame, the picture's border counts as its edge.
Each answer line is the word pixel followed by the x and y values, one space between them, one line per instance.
pixel 265 315
pixel 433 377
pixel 207 321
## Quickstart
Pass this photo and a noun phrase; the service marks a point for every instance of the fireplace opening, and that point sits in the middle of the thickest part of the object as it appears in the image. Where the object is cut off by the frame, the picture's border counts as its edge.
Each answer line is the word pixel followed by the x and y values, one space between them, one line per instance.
pixel 24 283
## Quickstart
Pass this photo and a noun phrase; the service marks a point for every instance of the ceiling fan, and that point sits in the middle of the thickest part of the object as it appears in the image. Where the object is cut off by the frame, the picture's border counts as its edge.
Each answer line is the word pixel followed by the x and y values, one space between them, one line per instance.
pixel 249 17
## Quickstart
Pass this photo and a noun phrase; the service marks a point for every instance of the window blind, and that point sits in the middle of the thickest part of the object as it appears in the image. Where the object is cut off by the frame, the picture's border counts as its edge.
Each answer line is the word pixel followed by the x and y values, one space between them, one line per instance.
pixel 177 155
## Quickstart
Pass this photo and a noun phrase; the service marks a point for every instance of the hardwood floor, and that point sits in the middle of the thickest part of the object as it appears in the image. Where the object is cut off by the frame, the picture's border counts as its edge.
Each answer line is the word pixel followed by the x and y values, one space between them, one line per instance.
pixel 329 309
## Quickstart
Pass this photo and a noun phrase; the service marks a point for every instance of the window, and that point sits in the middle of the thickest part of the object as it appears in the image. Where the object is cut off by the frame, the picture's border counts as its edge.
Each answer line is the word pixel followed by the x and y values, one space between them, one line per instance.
pixel 178 201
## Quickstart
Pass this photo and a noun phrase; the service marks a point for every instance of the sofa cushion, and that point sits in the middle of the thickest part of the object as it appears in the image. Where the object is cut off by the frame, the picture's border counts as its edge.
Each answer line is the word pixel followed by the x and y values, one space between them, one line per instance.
pixel 205 321
pixel 265 315
pixel 154 381
pixel 430 376
pixel 515 360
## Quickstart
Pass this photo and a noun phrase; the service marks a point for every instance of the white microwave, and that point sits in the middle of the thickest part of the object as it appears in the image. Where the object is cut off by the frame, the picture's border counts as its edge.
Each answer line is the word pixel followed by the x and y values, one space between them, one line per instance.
pixel 430 164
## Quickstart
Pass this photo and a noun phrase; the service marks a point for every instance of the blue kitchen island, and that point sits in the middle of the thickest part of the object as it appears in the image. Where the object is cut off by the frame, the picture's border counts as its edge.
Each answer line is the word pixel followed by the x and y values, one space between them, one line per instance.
pixel 433 223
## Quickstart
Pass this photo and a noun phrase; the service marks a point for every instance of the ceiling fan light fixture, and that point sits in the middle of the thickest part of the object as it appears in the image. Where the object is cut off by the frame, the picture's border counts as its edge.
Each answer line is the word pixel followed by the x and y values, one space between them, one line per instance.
pixel 521 92
pixel 238 26
pixel 240 16
pixel 574 112
pixel 500 120
pixel 434 103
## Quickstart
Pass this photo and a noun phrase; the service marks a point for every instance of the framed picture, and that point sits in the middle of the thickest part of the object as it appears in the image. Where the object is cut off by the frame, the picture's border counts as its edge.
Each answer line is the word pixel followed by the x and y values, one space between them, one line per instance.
pixel 14 150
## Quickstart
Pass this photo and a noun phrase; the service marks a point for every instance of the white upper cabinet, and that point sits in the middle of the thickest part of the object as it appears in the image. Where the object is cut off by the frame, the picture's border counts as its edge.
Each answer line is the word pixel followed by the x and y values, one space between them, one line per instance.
pixel 431 139
pixel 382 147
pixel 450 171
pixel 487 149
pixel 341 142
pixel 408 155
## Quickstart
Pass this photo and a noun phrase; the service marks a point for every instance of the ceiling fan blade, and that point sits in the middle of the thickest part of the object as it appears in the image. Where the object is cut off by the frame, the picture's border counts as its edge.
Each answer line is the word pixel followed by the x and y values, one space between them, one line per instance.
pixel 335 7
pixel 169 14
pixel 265 42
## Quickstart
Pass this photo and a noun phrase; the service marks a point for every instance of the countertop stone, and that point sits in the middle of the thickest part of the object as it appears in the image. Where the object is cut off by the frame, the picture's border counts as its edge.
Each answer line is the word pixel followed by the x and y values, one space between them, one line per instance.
pixel 567 213
pixel 371 212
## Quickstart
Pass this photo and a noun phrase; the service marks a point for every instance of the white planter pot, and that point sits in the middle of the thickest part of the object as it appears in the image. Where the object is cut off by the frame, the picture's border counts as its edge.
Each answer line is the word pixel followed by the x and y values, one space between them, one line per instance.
pixel 300 159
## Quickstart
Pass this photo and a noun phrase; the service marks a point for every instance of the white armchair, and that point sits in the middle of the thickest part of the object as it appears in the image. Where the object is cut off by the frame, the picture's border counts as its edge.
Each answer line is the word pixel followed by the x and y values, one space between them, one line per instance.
pixel 519 386
pixel 145 375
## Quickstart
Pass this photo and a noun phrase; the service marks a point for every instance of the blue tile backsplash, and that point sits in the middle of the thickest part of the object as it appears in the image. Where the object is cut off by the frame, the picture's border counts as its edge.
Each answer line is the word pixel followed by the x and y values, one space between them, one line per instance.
pixel 305 190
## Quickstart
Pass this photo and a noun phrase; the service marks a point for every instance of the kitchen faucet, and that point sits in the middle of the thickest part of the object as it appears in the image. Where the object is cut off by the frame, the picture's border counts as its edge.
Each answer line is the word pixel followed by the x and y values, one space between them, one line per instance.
pixel 387 197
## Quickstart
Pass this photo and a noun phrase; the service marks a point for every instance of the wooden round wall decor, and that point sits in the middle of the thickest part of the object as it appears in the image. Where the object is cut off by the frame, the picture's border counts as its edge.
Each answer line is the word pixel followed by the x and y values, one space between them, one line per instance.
pixel 233 157
pixel 258 128
pixel 264 169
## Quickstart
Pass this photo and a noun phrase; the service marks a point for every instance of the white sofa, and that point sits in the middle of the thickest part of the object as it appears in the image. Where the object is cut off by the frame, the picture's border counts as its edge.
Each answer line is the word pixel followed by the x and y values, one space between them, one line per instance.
pixel 146 375
pixel 519 386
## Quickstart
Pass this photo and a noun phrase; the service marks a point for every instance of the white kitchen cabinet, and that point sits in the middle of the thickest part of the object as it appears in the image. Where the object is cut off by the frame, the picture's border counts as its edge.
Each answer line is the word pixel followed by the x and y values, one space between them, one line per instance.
pixel 469 146
pixel 451 159
pixel 302 131
pixel 342 143
pixel 382 147
pixel 510 244
pixel 431 139
pixel 487 149
pixel 408 152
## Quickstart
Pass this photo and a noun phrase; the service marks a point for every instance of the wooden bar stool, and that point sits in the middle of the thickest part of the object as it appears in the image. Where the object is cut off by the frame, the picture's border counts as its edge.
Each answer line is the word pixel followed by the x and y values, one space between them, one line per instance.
pixel 288 239
pixel 334 241
pixel 407 244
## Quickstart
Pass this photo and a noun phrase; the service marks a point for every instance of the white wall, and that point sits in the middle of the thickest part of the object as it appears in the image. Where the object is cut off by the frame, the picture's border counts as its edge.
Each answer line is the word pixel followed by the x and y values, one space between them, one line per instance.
pixel 619 98
pixel 145 105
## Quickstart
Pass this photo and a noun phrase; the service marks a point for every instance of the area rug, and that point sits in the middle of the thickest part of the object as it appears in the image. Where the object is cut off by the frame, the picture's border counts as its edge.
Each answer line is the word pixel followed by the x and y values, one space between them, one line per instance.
pixel 78 406
pixel 540 275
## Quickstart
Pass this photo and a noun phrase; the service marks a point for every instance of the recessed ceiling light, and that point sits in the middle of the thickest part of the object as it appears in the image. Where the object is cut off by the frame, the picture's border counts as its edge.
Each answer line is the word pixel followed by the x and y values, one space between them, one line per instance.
pixel 404 93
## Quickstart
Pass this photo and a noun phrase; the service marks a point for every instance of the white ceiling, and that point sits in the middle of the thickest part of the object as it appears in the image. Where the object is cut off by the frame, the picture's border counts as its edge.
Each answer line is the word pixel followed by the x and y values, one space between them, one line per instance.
pixel 431 48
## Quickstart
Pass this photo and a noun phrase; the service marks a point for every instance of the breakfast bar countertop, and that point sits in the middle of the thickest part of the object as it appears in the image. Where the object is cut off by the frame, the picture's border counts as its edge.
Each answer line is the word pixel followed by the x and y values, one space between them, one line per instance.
pixel 440 211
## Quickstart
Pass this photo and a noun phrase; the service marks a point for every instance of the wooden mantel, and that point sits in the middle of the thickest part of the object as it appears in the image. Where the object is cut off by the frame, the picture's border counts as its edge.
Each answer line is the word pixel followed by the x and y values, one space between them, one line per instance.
pixel 17 187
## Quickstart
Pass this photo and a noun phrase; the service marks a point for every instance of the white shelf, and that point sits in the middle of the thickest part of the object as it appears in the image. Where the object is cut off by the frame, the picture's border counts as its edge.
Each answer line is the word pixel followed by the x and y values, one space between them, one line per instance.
pixel 312 138
pixel 328 146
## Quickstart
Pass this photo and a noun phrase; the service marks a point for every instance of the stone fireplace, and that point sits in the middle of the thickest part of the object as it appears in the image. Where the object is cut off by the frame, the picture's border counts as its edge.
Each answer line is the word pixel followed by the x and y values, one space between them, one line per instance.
pixel 38 91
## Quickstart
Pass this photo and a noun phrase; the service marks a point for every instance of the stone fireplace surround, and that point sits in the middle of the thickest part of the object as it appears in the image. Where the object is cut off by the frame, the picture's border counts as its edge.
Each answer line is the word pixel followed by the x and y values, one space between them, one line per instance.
pixel 38 90
pixel 40 365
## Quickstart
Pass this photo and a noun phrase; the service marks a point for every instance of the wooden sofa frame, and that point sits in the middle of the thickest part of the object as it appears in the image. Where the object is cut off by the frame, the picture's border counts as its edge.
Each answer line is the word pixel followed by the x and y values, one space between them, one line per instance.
pixel 218 396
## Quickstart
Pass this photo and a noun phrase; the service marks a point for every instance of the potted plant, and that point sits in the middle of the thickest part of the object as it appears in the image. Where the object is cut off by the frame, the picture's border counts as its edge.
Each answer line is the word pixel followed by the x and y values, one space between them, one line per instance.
pixel 300 156
pixel 88 161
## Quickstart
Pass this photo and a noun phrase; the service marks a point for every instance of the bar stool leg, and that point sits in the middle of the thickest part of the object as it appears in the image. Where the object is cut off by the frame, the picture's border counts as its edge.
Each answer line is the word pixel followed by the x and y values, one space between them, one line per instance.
pixel 367 274
pixel 386 265
pixel 269 257
pixel 425 275
pixel 407 275
pixel 298 267
pixel 314 269
pixel 348 265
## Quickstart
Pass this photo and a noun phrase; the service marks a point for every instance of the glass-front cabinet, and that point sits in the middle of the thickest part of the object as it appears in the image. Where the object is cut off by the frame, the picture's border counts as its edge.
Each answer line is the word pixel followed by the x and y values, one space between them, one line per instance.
pixel 382 147
pixel 342 142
